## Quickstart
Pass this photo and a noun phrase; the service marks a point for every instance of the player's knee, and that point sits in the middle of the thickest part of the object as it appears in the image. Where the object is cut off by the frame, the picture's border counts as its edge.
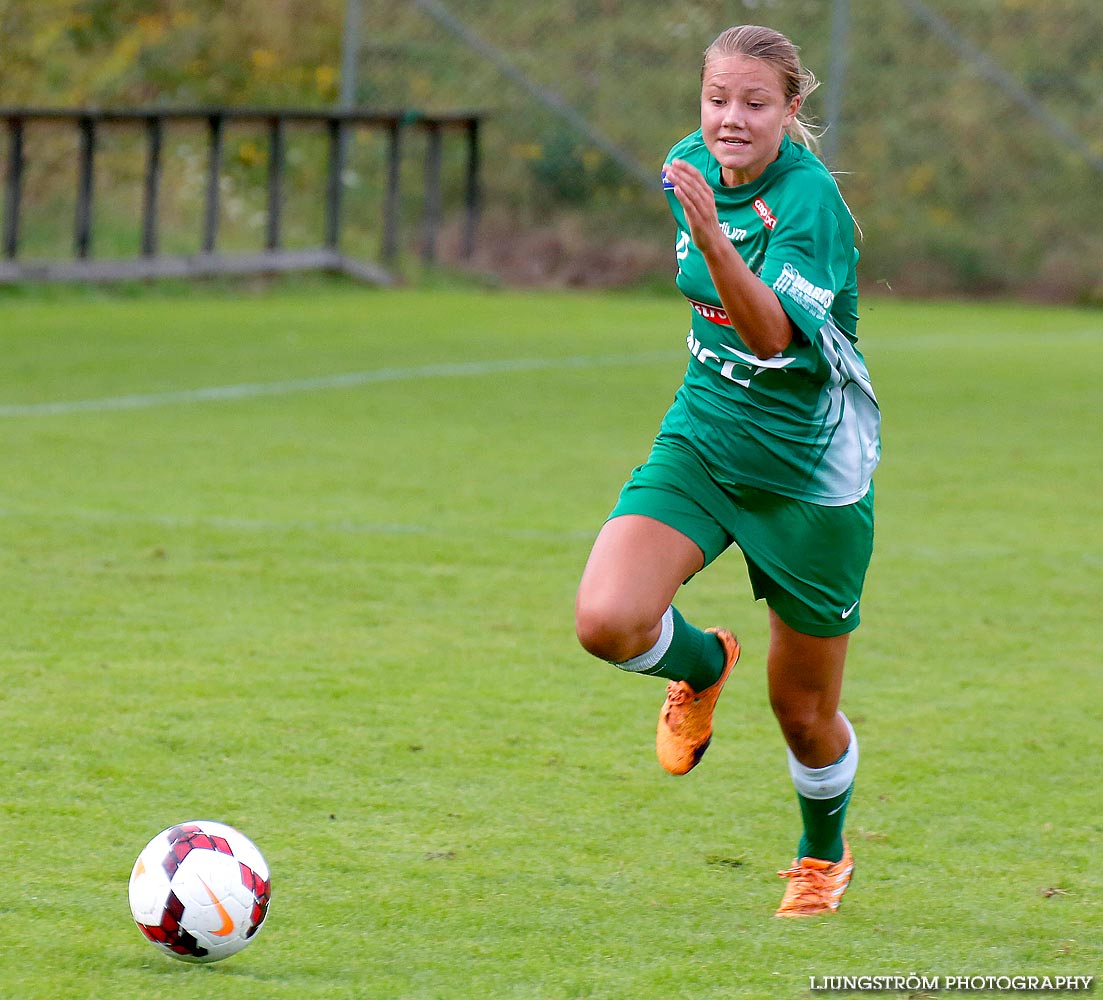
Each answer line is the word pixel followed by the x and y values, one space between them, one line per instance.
pixel 605 632
pixel 804 723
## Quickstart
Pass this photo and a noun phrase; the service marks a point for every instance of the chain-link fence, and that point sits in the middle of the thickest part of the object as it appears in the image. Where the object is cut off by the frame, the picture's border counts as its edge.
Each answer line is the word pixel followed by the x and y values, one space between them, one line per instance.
pixel 968 137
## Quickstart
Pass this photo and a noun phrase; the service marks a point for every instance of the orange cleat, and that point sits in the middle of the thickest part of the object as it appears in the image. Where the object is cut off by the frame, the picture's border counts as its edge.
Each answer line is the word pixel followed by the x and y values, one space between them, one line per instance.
pixel 685 722
pixel 815 886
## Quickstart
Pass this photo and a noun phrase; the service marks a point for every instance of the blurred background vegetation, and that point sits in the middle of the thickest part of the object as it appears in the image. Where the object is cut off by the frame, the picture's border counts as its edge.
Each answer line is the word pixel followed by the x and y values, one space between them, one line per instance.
pixel 970 146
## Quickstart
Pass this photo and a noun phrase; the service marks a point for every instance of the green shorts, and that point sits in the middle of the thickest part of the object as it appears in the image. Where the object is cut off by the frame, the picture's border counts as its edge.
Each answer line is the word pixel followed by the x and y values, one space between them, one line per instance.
pixel 807 561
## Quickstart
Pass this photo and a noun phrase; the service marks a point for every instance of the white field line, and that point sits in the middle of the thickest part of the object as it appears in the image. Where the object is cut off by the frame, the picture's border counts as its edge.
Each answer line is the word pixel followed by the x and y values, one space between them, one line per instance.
pixel 242 525
pixel 468 369
pixel 342 380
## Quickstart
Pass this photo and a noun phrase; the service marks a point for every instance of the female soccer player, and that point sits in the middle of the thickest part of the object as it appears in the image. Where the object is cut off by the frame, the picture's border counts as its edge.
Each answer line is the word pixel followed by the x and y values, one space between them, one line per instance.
pixel 770 445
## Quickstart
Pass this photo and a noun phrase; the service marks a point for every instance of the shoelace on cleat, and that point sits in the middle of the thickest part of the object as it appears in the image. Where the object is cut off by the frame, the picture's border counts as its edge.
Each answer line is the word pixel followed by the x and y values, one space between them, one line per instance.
pixel 678 693
pixel 809 886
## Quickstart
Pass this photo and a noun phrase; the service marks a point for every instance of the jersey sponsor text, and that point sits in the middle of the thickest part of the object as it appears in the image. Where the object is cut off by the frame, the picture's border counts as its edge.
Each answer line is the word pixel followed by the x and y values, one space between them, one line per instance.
pixel 739 369
pixel 769 220
pixel 733 233
pixel 811 297
pixel 714 314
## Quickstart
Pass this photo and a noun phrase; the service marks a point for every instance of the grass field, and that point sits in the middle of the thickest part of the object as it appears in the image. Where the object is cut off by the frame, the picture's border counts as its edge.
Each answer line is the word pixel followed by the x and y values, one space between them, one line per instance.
pixel 304 562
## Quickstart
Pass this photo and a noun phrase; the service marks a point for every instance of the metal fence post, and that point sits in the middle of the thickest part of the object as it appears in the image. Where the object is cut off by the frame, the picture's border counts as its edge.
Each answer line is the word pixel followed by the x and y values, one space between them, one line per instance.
pixel 471 190
pixel 82 226
pixel 215 132
pixel 276 146
pixel 336 127
pixel 151 190
pixel 14 194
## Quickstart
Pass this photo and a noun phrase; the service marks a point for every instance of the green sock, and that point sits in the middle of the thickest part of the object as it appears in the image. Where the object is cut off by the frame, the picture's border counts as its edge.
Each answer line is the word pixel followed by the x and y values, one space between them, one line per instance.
pixel 824 794
pixel 683 653
pixel 823 826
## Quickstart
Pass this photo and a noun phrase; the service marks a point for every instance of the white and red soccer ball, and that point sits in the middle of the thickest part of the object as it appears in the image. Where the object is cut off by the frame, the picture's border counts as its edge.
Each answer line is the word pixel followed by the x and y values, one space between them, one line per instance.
pixel 200 891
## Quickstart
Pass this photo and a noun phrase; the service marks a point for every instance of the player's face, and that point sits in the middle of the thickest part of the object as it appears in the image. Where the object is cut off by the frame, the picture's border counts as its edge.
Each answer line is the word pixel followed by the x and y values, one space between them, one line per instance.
pixel 743 115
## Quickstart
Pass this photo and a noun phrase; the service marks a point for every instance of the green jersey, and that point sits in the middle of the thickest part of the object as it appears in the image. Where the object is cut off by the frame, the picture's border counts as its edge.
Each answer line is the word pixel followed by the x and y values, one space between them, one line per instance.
pixel 804 423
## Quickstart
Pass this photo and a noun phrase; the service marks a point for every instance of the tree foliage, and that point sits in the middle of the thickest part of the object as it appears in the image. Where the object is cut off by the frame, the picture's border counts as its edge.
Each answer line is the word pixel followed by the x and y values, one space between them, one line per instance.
pixel 956 184
pixel 174 52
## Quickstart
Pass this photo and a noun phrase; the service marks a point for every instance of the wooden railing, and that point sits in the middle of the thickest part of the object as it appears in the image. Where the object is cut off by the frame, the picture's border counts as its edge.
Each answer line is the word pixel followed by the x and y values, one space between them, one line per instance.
pixel 338 125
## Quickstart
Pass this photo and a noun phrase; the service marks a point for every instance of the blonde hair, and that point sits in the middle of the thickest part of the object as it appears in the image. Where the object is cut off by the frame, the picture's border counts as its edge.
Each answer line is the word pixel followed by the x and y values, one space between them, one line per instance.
pixel 771 47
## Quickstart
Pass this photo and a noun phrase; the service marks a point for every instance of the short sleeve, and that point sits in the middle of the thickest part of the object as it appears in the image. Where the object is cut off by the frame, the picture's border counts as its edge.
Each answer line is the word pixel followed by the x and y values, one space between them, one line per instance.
pixel 808 262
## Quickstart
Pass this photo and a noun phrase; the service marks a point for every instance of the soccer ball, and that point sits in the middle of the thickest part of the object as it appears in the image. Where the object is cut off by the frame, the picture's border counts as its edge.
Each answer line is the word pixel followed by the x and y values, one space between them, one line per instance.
pixel 199 891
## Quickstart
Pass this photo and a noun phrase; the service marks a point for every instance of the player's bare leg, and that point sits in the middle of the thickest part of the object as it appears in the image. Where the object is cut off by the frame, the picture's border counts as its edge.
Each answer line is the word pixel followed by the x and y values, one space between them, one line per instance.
pixel 624 615
pixel 805 680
